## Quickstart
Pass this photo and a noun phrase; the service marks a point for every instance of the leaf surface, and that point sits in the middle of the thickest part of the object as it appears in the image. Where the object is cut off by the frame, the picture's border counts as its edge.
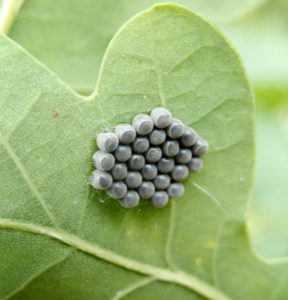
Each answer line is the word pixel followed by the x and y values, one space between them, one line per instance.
pixel 72 36
pixel 60 238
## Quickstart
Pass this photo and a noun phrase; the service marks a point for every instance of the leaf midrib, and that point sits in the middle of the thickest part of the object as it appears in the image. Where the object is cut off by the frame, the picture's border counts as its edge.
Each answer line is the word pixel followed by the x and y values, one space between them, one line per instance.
pixel 8 11
pixel 177 277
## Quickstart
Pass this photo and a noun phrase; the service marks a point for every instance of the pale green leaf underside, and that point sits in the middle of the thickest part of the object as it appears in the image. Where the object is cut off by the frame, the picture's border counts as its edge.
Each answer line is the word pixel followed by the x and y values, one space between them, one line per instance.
pixel 60 238
pixel 75 36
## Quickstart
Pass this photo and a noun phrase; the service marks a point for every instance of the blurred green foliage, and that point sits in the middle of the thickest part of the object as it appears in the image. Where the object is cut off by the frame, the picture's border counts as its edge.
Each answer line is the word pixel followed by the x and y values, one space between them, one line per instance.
pixel 268 222
pixel 262 39
pixel 271 98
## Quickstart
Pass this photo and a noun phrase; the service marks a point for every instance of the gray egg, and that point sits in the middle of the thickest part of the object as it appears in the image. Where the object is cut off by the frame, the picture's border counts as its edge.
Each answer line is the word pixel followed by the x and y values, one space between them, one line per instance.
pixel 161 182
pixel 126 133
pixel 103 161
pixel 157 137
pixel 119 172
pixel 153 154
pixel 130 200
pixel 175 129
pixel 143 124
pixel 101 180
pixel 133 180
pixel 140 145
pixel 160 199
pixel 170 148
pixel 117 190
pixel 195 164
pixel 146 190
pixel 176 190
pixel 136 162
pixel 123 153
pixel 200 147
pixel 107 141
pixel 184 156
pixel 165 165
pixel 149 171
pixel 189 137
pixel 180 172
pixel 161 117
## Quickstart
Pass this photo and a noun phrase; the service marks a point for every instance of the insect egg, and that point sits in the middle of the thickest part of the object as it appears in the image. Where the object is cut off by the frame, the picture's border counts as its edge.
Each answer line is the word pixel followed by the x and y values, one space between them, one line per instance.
pixel 133 180
pixel 153 154
pixel 130 200
pixel 143 124
pixel 147 159
pixel 149 171
pixel 136 162
pixel 119 171
pixel 165 165
pixel 140 145
pixel 123 153
pixel 184 156
pixel 160 199
pixel 180 172
pixel 126 133
pixel 176 190
pixel 146 190
pixel 195 164
pixel 175 129
pixel 161 181
pixel 103 161
pixel 117 190
pixel 161 117
pixel 157 137
pixel 107 141
pixel 200 147
pixel 170 148
pixel 189 137
pixel 101 180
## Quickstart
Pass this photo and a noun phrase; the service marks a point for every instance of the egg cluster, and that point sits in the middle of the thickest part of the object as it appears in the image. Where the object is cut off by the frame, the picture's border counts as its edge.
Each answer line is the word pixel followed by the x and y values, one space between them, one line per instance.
pixel 148 159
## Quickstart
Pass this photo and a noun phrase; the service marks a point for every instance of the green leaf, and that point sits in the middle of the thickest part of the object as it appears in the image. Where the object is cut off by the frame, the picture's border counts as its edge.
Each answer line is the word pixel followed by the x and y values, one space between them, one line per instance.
pixel 60 239
pixel 72 36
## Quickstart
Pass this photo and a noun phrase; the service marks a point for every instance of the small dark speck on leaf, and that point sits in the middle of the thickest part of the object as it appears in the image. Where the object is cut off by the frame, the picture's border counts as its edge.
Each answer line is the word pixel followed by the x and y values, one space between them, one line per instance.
pixel 56 114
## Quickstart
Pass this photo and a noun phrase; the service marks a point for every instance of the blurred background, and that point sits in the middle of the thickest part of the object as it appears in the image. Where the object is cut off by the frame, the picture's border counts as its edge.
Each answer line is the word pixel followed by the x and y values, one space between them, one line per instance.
pixel 70 37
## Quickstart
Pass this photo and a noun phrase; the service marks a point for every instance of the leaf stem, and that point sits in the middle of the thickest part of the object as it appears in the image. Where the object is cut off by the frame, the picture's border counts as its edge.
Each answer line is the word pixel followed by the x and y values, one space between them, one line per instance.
pixel 8 12
pixel 178 277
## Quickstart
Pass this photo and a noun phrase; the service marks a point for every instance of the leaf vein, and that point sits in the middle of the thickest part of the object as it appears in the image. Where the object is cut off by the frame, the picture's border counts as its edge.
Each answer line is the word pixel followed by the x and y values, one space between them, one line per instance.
pixel 156 65
pixel 210 196
pixel 177 277
pixel 168 256
pixel 32 278
pixel 205 114
pixel 133 287
pixel 27 179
